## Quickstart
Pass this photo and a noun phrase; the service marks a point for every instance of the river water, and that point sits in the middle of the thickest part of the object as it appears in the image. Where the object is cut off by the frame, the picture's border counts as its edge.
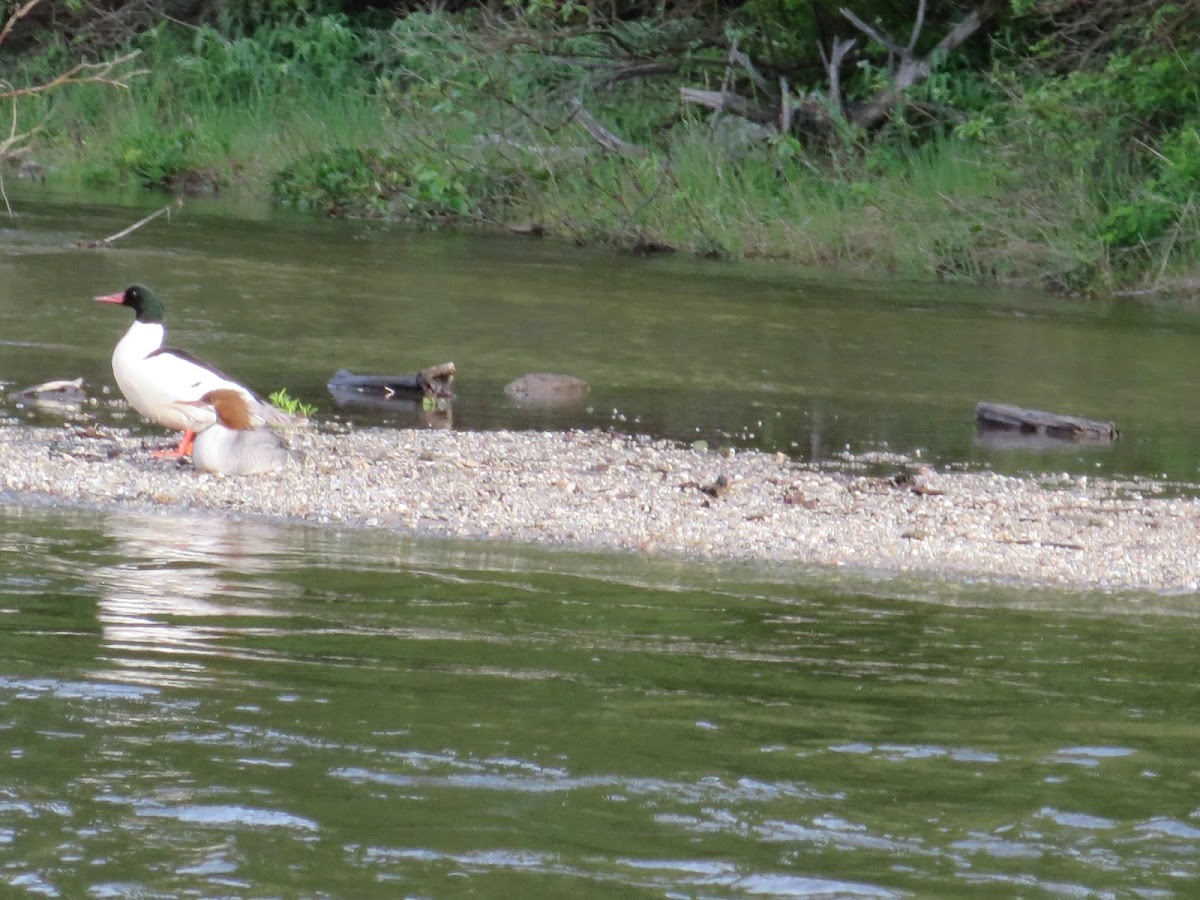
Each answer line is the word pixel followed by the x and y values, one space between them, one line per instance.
pixel 223 708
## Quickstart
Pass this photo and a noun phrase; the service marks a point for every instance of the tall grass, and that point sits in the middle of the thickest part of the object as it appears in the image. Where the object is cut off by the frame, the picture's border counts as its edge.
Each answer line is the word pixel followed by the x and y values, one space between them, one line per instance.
pixel 435 122
pixel 230 109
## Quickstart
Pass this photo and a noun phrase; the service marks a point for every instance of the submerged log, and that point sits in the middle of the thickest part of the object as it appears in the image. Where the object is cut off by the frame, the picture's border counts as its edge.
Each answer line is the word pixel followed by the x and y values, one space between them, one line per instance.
pixel 384 391
pixel 1039 426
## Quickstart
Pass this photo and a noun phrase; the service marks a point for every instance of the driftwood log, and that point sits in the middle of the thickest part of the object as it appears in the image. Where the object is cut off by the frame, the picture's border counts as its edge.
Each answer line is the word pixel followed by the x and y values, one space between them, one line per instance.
pixel 1037 426
pixel 393 391
pixel 62 396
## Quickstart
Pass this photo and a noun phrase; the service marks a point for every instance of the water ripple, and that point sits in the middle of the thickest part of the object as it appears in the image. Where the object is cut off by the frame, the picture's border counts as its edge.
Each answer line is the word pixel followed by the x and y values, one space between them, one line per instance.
pixel 227 814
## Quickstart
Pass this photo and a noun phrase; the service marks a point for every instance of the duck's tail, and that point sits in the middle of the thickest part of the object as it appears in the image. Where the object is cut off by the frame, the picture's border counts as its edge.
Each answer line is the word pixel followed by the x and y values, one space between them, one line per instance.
pixel 266 413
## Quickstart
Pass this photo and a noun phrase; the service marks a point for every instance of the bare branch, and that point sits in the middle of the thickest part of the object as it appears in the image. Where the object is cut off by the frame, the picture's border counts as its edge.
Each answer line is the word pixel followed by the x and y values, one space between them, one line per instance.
pixel 912 71
pixel 18 14
pixel 166 210
pixel 81 73
pixel 916 29
pixel 960 32
pixel 725 101
pixel 785 106
pixel 602 135
pixel 833 67
pixel 737 57
pixel 641 70
pixel 108 72
pixel 877 36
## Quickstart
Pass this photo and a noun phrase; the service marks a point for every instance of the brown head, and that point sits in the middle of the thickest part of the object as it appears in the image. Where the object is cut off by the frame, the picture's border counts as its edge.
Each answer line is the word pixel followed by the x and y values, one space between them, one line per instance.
pixel 231 407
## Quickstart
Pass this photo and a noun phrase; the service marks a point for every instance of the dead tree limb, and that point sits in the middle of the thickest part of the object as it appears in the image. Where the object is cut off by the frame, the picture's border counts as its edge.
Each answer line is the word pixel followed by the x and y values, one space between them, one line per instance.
pixel 17 15
pixel 917 25
pixel 737 57
pixel 833 67
pixel 821 118
pixel 602 135
pixel 104 242
pixel 911 70
pixel 785 106
pixel 727 101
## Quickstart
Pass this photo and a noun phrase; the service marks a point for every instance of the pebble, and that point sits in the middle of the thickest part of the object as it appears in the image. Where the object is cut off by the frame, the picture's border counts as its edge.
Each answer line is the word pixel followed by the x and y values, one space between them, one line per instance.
pixel 599 490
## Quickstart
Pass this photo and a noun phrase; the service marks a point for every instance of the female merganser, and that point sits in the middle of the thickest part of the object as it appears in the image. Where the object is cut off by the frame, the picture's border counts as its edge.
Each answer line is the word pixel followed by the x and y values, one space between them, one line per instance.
pixel 232 445
pixel 152 376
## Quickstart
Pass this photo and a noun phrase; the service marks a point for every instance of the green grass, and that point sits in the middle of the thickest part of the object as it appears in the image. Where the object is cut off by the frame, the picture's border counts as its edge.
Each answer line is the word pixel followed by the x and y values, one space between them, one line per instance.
pixel 418 127
pixel 291 405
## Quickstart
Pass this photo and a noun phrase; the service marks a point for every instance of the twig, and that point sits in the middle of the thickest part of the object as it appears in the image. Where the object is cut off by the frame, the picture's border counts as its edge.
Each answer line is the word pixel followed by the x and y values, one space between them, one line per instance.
pixel 104 242
pixel 878 37
pixel 18 14
pixel 916 29
pixel 743 60
pixel 1175 232
pixel 1151 150
pixel 82 73
pixel 785 107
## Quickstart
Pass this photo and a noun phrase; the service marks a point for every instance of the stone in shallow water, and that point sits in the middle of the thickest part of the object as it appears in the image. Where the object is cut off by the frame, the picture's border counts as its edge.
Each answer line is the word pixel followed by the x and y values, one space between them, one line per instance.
pixel 547 389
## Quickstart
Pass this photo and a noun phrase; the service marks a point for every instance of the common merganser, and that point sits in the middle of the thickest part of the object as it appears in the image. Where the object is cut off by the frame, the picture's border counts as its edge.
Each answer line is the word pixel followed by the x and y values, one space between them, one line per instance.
pixel 232 445
pixel 153 376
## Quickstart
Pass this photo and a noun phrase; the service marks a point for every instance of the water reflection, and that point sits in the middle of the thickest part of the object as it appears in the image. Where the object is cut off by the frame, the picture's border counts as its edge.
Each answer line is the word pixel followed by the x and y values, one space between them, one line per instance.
pixel 177 583
pixel 378 718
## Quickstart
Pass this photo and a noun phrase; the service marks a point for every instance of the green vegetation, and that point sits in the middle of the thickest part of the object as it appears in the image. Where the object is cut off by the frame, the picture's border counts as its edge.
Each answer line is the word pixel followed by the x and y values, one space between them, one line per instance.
pixel 1043 142
pixel 289 404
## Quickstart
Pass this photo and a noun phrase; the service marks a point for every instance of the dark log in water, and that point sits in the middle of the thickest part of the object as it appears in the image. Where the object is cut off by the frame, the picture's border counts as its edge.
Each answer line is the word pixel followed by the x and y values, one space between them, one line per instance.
pixel 1039 426
pixel 435 382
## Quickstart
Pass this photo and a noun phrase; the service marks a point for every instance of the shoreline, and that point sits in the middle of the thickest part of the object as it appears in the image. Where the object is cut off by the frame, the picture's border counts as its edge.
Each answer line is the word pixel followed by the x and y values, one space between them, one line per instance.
pixel 597 491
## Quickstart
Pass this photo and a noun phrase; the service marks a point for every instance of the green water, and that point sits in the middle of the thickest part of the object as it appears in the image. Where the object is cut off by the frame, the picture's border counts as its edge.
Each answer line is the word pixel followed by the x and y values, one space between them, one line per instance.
pixel 208 707
pixel 204 707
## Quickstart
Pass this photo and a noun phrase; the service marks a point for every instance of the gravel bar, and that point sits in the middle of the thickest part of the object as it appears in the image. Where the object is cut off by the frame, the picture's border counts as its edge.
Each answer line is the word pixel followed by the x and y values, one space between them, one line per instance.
pixel 598 490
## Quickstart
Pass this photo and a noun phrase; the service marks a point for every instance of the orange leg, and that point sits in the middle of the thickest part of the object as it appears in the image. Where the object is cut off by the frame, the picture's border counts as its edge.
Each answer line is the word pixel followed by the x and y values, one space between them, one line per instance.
pixel 184 448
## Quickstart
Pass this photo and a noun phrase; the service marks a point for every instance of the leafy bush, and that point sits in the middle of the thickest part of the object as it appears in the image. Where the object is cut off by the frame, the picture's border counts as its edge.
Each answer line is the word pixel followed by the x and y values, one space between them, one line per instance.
pixel 369 182
pixel 1157 207
pixel 155 157
pixel 320 54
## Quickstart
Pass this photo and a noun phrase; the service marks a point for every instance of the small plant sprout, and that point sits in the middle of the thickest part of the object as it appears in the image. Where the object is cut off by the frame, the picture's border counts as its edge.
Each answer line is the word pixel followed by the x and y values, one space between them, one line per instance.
pixel 289 404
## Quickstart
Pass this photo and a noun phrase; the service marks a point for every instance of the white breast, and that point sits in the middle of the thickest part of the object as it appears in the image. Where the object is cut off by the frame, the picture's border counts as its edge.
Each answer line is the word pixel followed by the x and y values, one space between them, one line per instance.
pixel 152 382
pixel 244 452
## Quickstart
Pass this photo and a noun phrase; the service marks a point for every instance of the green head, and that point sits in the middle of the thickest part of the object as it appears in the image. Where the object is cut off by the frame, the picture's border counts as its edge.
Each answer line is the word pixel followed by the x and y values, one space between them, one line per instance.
pixel 143 301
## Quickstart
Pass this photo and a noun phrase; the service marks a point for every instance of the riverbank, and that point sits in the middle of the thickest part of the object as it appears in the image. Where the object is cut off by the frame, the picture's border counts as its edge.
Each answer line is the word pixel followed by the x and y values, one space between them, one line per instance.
pixel 602 491
pixel 999 170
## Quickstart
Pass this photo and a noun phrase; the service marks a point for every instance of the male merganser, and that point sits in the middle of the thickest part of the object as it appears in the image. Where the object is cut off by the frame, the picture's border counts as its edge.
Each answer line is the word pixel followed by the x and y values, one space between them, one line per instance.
pixel 232 445
pixel 152 376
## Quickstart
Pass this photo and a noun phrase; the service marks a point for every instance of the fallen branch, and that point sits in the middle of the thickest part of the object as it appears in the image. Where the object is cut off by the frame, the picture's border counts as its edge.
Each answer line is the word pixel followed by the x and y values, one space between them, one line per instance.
pixel 104 242
pixel 602 135
pixel 1036 423
pixel 727 101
